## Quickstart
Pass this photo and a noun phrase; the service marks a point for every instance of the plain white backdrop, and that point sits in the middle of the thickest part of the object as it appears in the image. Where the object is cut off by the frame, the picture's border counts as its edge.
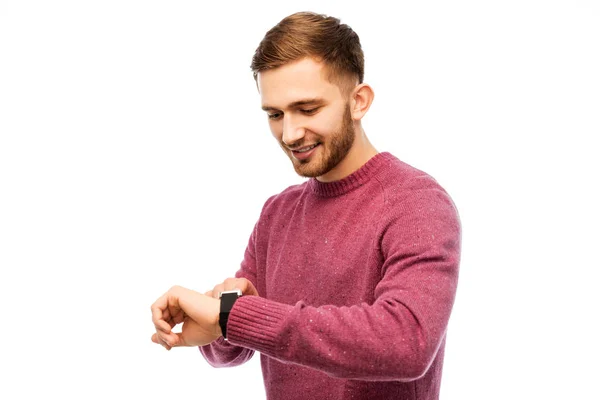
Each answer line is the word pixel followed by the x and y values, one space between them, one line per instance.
pixel 134 156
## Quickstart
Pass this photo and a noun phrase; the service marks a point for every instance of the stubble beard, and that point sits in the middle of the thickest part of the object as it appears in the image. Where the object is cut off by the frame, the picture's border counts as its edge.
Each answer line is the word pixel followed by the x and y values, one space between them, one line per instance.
pixel 332 152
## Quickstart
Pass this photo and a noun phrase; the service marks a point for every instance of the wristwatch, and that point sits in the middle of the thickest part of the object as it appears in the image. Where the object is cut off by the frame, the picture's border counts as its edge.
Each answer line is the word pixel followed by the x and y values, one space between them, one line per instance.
pixel 228 299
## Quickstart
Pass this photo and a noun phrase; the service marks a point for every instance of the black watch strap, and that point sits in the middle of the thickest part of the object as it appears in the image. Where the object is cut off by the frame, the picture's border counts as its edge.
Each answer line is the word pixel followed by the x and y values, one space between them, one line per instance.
pixel 228 299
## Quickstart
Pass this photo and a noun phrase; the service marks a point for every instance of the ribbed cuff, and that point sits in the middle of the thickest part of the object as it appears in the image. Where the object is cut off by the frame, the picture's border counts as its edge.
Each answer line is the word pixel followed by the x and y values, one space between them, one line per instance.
pixel 256 323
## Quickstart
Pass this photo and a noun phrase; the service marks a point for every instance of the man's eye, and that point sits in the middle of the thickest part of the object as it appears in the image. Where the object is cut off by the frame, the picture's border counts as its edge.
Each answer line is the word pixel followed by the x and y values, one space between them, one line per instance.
pixel 310 111
pixel 274 116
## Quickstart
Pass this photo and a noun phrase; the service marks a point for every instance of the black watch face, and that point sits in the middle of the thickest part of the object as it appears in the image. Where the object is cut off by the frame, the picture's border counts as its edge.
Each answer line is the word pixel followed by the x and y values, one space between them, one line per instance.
pixel 227 300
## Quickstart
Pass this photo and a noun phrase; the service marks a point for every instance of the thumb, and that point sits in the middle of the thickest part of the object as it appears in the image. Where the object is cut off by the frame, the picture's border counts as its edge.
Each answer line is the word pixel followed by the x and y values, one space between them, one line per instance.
pixel 177 340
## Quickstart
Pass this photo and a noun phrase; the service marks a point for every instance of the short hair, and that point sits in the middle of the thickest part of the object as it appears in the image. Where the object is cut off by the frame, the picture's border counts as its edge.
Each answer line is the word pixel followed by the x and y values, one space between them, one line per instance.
pixel 307 34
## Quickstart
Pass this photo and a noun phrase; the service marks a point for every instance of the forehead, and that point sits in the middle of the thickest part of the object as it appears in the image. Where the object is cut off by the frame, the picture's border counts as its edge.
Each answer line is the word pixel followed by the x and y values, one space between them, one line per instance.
pixel 295 81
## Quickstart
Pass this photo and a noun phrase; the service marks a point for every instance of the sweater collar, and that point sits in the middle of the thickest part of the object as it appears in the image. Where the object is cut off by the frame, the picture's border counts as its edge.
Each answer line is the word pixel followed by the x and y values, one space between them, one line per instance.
pixel 352 181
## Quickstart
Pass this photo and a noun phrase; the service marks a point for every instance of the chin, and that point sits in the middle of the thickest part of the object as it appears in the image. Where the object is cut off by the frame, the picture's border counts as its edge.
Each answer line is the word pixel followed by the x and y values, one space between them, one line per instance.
pixel 308 173
pixel 310 169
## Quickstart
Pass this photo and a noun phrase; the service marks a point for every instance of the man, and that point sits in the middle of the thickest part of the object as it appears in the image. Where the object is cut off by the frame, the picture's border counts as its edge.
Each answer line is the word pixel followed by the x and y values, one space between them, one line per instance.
pixel 348 279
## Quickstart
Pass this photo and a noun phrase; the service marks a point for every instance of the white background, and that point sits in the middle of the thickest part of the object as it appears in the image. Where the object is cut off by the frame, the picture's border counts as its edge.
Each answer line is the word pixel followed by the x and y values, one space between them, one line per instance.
pixel 134 156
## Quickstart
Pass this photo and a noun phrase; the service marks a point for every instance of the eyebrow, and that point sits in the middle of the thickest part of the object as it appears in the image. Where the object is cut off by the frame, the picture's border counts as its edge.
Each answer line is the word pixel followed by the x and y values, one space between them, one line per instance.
pixel 296 104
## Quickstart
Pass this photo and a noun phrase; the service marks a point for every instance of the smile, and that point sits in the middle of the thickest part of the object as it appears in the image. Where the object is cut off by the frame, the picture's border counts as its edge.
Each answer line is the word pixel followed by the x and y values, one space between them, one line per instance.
pixel 305 153
pixel 305 149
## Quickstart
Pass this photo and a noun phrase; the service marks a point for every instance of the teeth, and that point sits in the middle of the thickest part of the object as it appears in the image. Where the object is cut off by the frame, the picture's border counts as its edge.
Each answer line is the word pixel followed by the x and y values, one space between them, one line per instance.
pixel 307 149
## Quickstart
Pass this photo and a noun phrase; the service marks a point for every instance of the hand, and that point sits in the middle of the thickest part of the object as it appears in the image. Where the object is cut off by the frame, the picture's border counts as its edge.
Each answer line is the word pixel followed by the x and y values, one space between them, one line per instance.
pixel 198 313
pixel 243 284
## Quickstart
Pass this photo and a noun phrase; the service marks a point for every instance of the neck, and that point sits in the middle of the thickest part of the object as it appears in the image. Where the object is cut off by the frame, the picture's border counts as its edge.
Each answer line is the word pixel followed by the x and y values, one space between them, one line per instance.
pixel 361 151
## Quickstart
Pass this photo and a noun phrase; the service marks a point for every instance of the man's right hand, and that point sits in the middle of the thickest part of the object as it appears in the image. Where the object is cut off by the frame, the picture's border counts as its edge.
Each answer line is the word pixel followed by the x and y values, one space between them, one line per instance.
pixel 243 284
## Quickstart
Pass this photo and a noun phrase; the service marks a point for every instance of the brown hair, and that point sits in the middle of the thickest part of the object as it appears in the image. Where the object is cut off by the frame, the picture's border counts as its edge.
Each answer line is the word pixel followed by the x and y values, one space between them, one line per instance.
pixel 307 34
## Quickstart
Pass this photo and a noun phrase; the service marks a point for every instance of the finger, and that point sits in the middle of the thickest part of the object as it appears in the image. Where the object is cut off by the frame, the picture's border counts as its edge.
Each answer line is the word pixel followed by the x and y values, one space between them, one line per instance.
pixel 165 340
pixel 209 293
pixel 217 290
pixel 160 315
pixel 242 284
pixel 177 340
pixel 177 315
pixel 172 313
pixel 156 339
pixel 173 309
pixel 247 287
pixel 172 316
pixel 230 284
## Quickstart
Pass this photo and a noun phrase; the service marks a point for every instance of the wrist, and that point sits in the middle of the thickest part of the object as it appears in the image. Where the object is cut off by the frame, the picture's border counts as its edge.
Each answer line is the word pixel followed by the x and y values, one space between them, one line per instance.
pixel 228 299
pixel 215 312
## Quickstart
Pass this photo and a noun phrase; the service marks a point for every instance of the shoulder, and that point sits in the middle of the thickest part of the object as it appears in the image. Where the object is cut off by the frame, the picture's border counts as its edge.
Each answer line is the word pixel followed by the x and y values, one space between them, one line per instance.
pixel 408 188
pixel 282 201
pixel 418 210
pixel 399 174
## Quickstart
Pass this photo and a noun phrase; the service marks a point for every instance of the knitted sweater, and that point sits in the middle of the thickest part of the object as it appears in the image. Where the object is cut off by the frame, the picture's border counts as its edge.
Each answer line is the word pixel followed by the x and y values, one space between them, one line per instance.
pixel 357 279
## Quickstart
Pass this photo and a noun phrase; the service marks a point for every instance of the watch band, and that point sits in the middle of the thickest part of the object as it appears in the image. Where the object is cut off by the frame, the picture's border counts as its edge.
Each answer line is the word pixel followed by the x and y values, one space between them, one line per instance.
pixel 228 299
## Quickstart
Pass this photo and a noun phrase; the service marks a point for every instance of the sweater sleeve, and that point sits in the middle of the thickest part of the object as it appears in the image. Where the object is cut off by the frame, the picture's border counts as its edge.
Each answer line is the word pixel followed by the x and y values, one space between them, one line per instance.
pixel 222 353
pixel 398 335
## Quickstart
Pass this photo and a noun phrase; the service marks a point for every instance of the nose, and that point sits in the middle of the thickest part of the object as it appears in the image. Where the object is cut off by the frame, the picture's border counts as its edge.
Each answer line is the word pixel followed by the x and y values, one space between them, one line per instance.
pixel 292 131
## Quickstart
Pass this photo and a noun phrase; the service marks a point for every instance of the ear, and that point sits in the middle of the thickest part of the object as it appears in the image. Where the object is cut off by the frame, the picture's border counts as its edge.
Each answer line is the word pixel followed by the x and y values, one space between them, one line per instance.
pixel 360 101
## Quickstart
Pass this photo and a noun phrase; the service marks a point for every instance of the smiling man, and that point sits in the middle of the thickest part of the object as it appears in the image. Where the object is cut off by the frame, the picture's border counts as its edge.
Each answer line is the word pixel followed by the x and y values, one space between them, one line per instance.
pixel 316 121
pixel 348 280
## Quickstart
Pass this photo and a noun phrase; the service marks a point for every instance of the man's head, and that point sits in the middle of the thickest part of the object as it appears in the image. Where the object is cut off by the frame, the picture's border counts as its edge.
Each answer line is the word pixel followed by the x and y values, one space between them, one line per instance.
pixel 323 38
pixel 309 70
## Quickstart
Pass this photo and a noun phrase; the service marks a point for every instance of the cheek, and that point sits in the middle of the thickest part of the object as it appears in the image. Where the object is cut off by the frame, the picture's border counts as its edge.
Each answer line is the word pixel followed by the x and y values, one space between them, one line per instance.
pixel 324 125
pixel 276 129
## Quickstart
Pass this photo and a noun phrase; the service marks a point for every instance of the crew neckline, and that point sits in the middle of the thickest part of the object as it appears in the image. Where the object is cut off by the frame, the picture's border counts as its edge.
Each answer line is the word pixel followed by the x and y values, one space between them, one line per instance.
pixel 352 181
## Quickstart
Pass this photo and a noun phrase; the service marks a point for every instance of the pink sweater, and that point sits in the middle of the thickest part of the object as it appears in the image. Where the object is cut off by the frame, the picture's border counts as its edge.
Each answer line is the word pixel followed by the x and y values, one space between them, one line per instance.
pixel 357 280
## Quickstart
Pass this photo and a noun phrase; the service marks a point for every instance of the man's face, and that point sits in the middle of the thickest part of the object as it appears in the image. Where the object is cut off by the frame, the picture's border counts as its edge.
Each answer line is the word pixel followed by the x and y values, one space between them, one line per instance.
pixel 307 115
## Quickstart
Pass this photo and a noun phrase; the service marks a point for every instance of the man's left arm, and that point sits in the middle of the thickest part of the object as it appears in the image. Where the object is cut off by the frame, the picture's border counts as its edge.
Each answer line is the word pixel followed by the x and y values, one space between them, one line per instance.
pixel 397 337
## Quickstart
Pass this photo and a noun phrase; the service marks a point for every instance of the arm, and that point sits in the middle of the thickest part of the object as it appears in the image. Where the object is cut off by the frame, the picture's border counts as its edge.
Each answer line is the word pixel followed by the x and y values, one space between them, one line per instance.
pixel 199 315
pixel 394 338
pixel 222 353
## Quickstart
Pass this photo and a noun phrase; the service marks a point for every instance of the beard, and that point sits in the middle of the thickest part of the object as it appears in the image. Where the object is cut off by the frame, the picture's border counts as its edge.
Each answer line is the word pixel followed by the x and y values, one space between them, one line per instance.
pixel 331 152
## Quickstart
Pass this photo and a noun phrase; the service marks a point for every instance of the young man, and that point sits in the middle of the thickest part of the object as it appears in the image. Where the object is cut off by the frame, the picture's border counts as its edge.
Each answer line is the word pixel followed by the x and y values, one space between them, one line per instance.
pixel 348 279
